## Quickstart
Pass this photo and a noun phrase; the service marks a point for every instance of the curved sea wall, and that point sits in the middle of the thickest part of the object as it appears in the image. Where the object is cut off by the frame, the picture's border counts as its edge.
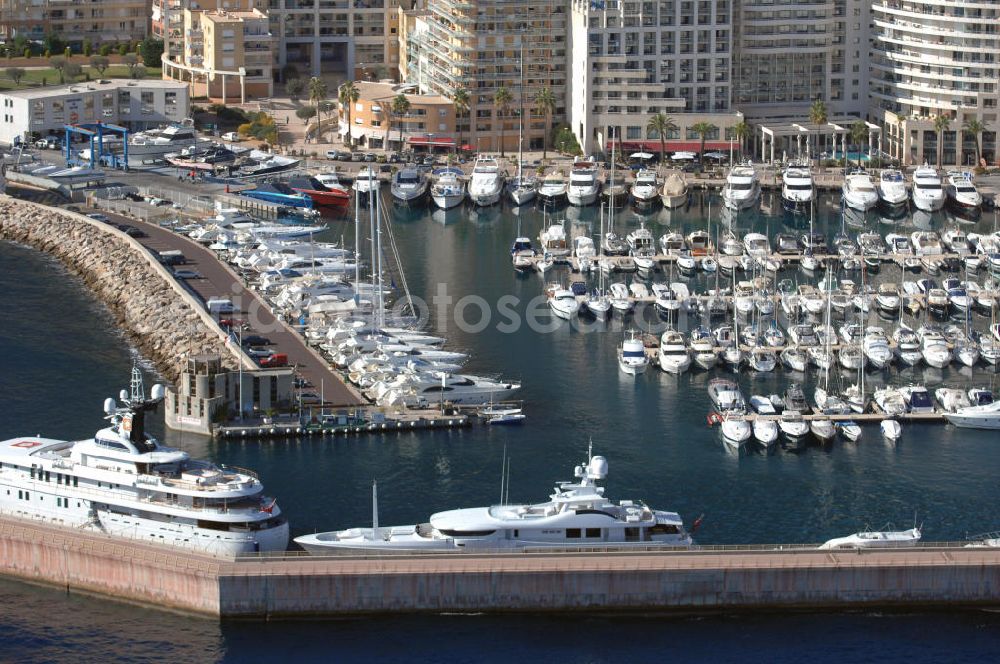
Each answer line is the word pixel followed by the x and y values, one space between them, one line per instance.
pixel 159 317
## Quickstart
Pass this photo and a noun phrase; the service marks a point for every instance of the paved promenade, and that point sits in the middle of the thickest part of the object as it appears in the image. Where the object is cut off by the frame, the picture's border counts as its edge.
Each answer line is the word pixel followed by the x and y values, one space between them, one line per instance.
pixel 219 281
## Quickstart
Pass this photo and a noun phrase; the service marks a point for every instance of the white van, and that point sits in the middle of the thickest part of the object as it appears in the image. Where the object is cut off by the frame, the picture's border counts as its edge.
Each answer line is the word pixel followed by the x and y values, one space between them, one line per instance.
pixel 219 305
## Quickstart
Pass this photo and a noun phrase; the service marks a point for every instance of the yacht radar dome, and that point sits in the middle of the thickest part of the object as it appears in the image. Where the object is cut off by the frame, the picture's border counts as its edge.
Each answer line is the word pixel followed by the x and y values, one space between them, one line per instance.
pixel 598 468
pixel 157 392
pixel 110 406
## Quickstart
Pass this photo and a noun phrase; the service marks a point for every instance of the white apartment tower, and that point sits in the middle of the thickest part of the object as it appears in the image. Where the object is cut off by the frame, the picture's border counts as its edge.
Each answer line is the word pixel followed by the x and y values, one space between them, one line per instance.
pixel 789 53
pixel 632 59
pixel 931 58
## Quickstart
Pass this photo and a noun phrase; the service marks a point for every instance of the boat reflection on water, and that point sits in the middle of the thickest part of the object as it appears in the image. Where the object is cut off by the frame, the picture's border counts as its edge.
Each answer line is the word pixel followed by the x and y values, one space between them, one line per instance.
pixel 449 216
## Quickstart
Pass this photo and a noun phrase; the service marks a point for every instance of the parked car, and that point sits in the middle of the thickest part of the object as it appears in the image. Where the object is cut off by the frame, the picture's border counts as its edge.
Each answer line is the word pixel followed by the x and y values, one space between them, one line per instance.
pixel 429 160
pixel 49 143
pixel 274 360
pixel 338 155
pixel 358 156
pixel 186 274
pixel 97 216
pixel 394 158
pixel 232 137
pixel 256 340
pixel 370 156
pixel 385 168
pixel 131 231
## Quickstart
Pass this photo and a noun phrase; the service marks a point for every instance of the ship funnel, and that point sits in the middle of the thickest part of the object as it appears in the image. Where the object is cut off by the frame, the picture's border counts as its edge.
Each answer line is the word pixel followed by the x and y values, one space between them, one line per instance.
pixel 110 406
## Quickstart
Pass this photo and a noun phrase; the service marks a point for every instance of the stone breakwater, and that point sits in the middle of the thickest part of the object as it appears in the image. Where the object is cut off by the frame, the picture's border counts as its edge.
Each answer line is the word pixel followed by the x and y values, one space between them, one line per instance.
pixel 164 321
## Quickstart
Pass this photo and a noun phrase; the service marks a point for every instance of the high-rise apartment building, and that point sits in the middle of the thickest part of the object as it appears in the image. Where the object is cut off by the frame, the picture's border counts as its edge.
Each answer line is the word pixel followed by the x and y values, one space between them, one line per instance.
pixel 479 45
pixel 931 58
pixel 789 53
pixel 633 59
pixel 223 53
pixel 76 23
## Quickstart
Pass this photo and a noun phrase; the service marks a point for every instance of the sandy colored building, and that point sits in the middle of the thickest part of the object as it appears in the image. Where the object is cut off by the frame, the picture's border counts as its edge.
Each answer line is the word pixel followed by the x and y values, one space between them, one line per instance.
pixel 76 23
pixel 224 54
pixel 428 125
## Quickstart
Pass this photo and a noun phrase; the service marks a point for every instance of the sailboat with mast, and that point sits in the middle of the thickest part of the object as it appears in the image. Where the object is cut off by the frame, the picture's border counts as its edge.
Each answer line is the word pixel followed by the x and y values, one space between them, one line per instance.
pixel 597 302
pixel 522 188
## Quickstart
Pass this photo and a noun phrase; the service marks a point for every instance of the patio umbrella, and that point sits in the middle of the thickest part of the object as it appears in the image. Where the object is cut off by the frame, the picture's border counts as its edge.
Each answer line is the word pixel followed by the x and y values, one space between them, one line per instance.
pixel 683 156
pixel 640 155
pixel 714 155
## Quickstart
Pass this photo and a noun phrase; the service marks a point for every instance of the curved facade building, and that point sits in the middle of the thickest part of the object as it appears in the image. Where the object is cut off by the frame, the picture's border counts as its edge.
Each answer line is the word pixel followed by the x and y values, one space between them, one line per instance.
pixel 930 58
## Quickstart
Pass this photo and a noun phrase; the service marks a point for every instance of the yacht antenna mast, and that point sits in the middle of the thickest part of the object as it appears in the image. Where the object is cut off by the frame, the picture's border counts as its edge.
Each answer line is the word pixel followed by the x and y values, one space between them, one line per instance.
pixel 374 510
pixel 138 394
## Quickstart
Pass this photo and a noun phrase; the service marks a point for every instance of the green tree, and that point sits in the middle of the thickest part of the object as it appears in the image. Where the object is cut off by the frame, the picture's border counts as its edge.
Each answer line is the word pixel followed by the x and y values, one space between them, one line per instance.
pixel 460 100
pixel 400 107
pixel 67 52
pixel 99 63
pixel 289 71
pixel 501 100
pixel 661 124
pixel 305 113
pixel 294 88
pixel 740 132
pixel 703 129
pixel 88 49
pixel 564 141
pixel 15 74
pixel 348 95
pixel 72 70
pixel 859 131
pixel 105 50
pixel 53 42
pixel 58 63
pixel 27 52
pixel 941 122
pixel 818 116
pixel 20 43
pixel 317 91
pixel 974 128
pixel 130 60
pixel 151 50
pixel 123 50
pixel 139 71
pixel 545 103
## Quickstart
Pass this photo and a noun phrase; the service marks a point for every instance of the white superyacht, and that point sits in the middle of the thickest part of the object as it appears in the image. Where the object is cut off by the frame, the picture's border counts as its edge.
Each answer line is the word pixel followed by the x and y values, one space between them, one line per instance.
pixel 124 483
pixel 576 515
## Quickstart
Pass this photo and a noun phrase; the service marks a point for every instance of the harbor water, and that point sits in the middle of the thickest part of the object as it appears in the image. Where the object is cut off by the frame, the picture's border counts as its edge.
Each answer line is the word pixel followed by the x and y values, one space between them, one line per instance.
pixel 65 357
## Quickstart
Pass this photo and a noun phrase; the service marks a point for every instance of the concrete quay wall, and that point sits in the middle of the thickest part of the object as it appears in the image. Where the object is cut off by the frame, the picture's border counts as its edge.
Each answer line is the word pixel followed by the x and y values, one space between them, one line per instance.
pixel 687 582
pixel 304 586
pixel 162 319
pixel 104 565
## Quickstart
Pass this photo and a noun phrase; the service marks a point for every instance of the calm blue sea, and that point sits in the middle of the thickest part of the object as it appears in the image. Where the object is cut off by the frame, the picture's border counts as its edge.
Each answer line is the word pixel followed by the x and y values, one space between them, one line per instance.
pixel 64 357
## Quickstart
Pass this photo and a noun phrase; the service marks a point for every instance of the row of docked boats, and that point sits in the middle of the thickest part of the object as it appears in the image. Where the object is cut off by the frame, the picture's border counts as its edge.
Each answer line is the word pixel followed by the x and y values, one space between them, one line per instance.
pixel 860 191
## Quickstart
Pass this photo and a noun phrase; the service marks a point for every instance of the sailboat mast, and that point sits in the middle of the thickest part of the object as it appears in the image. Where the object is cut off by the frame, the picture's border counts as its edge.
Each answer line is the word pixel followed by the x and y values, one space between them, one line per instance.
pixel 520 119
pixel 374 510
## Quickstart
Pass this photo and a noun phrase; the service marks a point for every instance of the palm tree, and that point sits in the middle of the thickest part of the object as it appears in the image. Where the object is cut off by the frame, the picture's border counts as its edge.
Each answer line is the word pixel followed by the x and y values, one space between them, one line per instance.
pixel 400 107
pixel 317 93
pixel 740 131
pixel 502 100
pixel 348 95
pixel 818 116
pixel 975 128
pixel 661 124
pixel 941 122
pixel 460 99
pixel 703 129
pixel 859 130
pixel 545 103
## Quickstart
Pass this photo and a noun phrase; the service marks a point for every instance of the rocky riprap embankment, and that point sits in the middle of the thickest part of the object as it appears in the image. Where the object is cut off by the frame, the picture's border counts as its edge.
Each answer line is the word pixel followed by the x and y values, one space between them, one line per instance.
pixel 162 324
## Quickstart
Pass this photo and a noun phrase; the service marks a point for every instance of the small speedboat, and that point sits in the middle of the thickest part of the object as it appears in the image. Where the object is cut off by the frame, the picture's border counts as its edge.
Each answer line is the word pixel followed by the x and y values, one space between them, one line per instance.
pixel 850 430
pixel 891 430
pixel 875 540
pixel 632 358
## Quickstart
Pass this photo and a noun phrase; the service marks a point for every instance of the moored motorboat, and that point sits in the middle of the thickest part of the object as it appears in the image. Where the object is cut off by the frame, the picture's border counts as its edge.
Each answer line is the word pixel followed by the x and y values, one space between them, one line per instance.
pixel 675 191
pixel 885 539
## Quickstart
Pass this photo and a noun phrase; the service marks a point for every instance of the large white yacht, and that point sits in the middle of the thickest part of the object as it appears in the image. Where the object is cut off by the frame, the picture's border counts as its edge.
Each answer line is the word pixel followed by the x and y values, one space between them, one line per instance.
pixel 155 144
pixel 928 195
pixel 486 182
pixel 552 189
pixel 645 189
pixel 742 189
pixel 124 483
pixel 576 515
pixel 961 192
pixel 797 189
pixel 583 183
pixel 892 189
pixel 859 191
pixel 447 190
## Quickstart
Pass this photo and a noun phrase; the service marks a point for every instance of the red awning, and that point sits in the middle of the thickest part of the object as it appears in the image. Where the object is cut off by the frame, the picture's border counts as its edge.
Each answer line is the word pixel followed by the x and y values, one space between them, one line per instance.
pixel 441 141
pixel 673 146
